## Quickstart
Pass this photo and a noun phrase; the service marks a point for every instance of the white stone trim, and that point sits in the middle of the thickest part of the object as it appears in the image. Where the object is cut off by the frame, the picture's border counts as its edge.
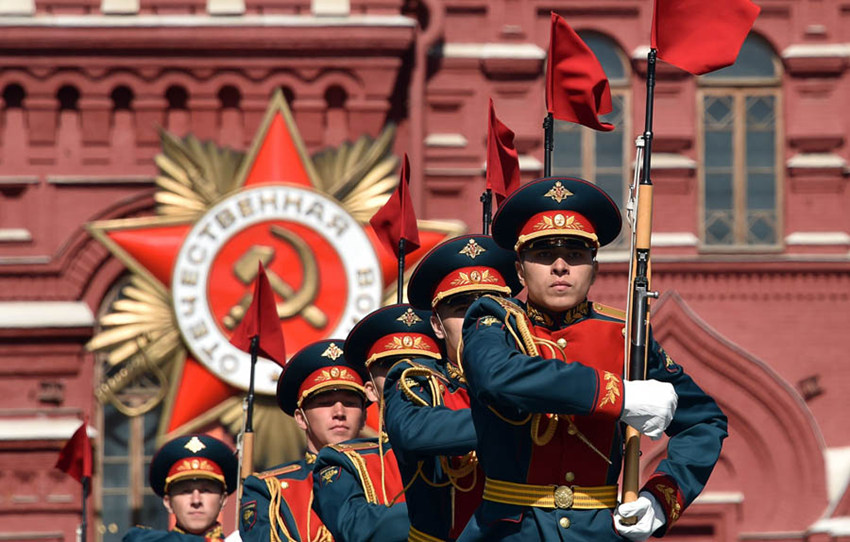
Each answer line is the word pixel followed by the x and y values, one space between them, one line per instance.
pixel 181 21
pixel 613 256
pixel 824 50
pixel 818 238
pixel 837 473
pixel 17 7
pixel 41 314
pixel 640 52
pixel 720 497
pixel 529 163
pixel 509 51
pixel 14 235
pixel 674 239
pixel 670 160
pixel 816 160
pixel 225 7
pixel 834 526
pixel 325 8
pixel 445 140
pixel 119 7
pixel 41 428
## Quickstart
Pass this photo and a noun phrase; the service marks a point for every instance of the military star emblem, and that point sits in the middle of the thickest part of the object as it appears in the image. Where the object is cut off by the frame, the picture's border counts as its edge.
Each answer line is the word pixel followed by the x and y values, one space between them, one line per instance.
pixel 216 205
pixel 409 318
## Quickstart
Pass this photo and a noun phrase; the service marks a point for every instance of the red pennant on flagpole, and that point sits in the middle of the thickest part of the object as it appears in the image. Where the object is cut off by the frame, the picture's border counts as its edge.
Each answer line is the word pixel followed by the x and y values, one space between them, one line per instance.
pixel 577 89
pixel 75 459
pixel 396 219
pixel 503 175
pixel 700 36
pixel 261 320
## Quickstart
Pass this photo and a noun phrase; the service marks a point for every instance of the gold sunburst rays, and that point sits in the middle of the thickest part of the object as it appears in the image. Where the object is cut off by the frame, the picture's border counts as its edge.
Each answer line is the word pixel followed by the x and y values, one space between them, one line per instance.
pixel 360 175
pixel 141 318
pixel 193 175
pixel 139 345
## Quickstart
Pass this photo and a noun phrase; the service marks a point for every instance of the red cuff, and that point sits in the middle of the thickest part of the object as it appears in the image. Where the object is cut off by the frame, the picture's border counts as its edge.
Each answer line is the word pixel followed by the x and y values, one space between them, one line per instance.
pixel 668 494
pixel 609 395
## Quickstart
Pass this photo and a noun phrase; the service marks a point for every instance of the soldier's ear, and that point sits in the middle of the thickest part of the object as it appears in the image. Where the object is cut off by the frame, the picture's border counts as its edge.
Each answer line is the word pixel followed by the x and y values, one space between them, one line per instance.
pixel 594 271
pixel 519 272
pixel 437 326
pixel 166 502
pixel 371 391
pixel 301 419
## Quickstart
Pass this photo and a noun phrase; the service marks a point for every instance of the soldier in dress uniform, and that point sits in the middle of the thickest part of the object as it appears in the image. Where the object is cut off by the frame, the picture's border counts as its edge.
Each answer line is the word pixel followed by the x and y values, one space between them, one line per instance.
pixel 326 397
pixel 358 487
pixel 193 474
pixel 427 413
pixel 548 393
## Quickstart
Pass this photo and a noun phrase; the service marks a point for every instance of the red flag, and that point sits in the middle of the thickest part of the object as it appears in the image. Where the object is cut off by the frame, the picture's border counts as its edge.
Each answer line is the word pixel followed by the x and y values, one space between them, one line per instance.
pixel 576 86
pixel 396 219
pixel 261 320
pixel 75 459
pixel 502 158
pixel 699 36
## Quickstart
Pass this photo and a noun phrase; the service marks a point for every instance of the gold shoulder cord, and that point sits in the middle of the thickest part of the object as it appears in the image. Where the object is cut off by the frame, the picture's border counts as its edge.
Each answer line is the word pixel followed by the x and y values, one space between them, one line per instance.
pixel 360 465
pixel 433 384
pixel 275 521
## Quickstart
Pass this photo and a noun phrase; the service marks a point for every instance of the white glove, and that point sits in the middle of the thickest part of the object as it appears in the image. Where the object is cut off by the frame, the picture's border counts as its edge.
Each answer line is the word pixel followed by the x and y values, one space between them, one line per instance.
pixel 649 406
pixel 649 513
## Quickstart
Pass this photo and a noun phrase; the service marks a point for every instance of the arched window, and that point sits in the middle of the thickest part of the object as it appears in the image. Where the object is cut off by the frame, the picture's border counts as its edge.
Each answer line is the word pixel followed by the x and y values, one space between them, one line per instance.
pixel 68 97
pixel 601 157
pixel 177 97
pixel 122 98
pixel 13 96
pixel 740 158
pixel 229 97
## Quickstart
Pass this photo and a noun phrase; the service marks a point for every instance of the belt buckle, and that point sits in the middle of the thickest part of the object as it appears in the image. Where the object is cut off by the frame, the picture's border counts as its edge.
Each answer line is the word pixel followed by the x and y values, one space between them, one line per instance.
pixel 563 497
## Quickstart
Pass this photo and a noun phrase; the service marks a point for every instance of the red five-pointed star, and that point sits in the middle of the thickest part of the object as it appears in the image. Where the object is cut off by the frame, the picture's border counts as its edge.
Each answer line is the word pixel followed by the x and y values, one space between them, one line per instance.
pixel 150 246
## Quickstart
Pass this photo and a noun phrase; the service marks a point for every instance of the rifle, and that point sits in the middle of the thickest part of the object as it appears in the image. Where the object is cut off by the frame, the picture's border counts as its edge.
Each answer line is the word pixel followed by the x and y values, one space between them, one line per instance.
pixel 639 211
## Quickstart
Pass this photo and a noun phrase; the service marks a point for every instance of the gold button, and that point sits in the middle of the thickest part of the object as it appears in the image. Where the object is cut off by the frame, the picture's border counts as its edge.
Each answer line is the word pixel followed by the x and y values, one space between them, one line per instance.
pixel 562 342
pixel 569 477
pixel 284 485
pixel 564 522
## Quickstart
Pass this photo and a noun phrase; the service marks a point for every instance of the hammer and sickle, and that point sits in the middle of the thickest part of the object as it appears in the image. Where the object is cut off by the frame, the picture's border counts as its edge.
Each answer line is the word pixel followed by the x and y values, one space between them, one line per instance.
pixel 295 302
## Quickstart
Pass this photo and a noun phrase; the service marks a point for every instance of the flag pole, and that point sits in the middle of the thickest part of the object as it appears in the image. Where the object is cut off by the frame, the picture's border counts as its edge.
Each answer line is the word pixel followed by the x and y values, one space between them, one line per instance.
pixel 548 144
pixel 248 433
pixel 400 286
pixel 84 524
pixel 487 209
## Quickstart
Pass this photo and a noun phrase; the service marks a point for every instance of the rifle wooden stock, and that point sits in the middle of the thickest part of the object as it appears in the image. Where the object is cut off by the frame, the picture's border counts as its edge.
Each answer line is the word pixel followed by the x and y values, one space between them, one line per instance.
pixel 247 455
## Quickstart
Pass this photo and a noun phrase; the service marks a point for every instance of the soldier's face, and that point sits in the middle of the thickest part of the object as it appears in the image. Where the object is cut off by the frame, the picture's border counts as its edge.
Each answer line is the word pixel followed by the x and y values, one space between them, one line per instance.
pixel 195 503
pixel 557 277
pixel 447 323
pixel 331 417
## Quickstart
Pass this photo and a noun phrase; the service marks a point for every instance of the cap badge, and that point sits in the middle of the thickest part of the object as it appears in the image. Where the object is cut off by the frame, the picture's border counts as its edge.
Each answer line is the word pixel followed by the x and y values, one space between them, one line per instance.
pixel 474 277
pixel 195 445
pixel 335 373
pixel 332 352
pixel 406 342
pixel 558 222
pixel 472 249
pixel 409 318
pixel 558 192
